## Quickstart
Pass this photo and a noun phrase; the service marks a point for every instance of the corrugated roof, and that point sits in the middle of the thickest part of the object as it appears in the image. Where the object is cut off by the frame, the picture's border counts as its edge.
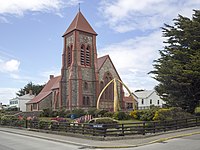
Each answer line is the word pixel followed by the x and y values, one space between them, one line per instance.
pixel 51 84
pixel 81 24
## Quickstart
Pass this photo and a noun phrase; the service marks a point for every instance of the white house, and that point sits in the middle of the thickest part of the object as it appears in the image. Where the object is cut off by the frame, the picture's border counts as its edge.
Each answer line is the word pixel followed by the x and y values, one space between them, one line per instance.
pixel 20 102
pixel 148 98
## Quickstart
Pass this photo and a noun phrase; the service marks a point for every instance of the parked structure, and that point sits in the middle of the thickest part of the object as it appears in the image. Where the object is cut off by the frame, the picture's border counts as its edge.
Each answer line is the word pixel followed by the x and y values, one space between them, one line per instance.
pixel 20 102
pixel 145 99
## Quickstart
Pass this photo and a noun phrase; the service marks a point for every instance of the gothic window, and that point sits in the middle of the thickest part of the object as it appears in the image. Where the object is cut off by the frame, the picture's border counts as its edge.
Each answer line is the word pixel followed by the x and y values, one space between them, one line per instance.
pixel 87 56
pixel 82 55
pixel 109 90
pixel 69 50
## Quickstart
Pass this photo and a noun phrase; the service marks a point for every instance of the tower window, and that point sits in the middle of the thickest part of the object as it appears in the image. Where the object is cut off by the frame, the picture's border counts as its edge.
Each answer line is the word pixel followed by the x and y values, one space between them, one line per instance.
pixel 69 52
pixel 87 56
pixel 82 55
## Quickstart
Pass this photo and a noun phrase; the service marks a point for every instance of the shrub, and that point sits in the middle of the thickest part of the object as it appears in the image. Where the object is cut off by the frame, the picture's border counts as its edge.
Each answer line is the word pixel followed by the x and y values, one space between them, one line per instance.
pixel 120 115
pixel 91 111
pixel 100 112
pixel 47 112
pixel 108 114
pixel 78 112
pixel 163 114
pixel 44 124
pixel 171 114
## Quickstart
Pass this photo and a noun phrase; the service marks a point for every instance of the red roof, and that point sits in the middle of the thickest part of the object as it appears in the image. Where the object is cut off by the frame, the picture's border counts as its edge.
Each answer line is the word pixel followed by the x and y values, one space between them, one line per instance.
pixel 51 84
pixel 81 24
pixel 101 61
pixel 128 99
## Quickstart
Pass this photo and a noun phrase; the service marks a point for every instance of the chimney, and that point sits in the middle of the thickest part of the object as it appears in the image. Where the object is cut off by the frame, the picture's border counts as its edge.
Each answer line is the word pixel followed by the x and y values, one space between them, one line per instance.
pixel 30 92
pixel 51 76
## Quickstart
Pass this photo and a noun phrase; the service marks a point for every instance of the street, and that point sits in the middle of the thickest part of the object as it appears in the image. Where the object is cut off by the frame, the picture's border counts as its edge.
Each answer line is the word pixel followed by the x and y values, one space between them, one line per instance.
pixel 185 143
pixel 12 141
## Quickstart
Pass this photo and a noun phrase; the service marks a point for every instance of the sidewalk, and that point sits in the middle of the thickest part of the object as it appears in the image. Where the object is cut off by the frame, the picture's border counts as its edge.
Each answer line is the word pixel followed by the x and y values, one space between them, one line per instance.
pixel 107 143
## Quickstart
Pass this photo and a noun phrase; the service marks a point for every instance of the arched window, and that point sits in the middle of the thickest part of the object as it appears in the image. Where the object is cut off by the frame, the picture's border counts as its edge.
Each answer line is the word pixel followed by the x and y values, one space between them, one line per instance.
pixel 142 101
pixel 82 55
pixel 87 56
pixel 109 91
pixel 69 53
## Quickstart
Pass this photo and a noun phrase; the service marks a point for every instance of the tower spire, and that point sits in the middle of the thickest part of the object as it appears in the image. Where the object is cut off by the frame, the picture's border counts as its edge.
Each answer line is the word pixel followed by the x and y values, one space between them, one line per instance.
pixel 79 7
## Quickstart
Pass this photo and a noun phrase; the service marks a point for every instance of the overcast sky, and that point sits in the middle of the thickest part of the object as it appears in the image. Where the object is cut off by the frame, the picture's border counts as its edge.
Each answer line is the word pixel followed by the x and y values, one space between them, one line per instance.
pixel 128 30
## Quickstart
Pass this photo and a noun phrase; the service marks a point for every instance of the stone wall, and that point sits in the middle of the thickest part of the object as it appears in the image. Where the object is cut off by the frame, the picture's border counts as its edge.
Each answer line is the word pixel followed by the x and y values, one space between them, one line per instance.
pixel 46 103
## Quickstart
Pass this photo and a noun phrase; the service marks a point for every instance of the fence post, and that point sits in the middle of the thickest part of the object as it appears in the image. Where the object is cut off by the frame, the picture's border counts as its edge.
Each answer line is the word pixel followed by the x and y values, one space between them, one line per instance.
pixel 104 132
pixel 196 122
pixel 143 132
pixel 26 123
pixel 83 129
pixel 154 127
pixel 122 129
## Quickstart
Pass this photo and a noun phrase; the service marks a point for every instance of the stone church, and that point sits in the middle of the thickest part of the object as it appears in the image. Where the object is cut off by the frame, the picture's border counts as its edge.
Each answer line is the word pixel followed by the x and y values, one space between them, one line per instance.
pixel 83 75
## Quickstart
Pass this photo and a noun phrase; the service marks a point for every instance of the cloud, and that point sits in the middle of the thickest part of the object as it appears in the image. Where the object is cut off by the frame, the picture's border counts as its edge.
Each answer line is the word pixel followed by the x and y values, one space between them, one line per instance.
pixel 7 94
pixel 19 7
pixel 128 15
pixel 133 58
pixel 9 66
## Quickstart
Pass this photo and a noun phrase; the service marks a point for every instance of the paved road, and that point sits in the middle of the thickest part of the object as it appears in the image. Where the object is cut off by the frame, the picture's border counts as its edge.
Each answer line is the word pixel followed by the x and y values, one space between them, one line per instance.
pixel 12 141
pixel 185 143
pixel 9 141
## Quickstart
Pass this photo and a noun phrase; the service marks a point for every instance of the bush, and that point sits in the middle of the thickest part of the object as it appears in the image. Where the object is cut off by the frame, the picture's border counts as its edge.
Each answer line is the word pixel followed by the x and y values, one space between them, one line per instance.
pixel 120 115
pixel 78 112
pixel 171 114
pixel 100 112
pixel 47 112
pixel 163 114
pixel 91 111
pixel 108 114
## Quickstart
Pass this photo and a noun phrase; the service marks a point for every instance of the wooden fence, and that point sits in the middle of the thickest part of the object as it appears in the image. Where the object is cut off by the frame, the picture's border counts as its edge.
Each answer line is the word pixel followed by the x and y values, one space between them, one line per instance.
pixel 106 130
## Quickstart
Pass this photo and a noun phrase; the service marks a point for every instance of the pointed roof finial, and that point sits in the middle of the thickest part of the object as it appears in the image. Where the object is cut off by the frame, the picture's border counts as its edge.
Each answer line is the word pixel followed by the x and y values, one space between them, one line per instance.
pixel 79 7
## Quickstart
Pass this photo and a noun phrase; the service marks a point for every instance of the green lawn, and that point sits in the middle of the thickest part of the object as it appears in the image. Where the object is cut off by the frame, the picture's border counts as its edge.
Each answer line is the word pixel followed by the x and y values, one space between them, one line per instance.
pixel 128 121
pixel 197 110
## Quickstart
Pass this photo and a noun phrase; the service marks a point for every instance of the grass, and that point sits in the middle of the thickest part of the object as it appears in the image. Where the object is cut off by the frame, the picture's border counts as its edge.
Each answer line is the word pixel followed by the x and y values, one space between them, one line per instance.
pixel 128 121
pixel 197 110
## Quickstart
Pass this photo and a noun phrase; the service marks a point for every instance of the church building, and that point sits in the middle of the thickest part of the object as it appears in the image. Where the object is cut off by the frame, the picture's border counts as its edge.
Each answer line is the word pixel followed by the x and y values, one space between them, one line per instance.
pixel 83 75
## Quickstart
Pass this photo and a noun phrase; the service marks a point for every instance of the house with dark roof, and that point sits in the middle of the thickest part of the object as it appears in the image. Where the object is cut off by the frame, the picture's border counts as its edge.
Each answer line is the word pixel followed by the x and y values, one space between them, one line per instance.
pixel 83 75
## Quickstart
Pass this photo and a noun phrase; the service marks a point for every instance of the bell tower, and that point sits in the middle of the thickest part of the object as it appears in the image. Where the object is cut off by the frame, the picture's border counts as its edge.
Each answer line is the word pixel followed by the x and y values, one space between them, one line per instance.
pixel 79 74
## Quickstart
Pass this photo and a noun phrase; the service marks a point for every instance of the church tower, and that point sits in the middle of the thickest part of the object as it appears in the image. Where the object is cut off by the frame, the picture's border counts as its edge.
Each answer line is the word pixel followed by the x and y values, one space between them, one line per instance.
pixel 79 78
